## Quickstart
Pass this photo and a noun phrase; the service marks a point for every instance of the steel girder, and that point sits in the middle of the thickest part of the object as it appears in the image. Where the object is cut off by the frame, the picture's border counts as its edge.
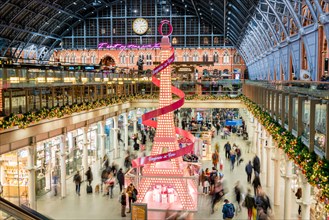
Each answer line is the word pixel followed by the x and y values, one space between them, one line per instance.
pixel 277 18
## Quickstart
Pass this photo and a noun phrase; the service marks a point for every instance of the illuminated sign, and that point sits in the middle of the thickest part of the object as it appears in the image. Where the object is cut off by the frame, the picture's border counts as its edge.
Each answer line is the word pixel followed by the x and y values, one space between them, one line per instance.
pixel 89 67
pixel 125 47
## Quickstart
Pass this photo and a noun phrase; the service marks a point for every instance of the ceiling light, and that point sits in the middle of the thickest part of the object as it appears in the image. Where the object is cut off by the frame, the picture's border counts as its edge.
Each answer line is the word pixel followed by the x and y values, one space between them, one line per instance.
pixel 135 11
pixel 59 12
pixel 185 6
pixel 167 10
pixel 212 9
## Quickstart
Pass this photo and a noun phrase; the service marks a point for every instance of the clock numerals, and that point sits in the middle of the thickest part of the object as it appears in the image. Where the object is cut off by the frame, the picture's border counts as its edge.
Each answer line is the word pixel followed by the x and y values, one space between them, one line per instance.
pixel 140 26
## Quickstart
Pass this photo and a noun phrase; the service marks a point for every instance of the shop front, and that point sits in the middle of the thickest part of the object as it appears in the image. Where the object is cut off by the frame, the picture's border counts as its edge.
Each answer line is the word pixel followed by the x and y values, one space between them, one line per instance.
pixel 14 176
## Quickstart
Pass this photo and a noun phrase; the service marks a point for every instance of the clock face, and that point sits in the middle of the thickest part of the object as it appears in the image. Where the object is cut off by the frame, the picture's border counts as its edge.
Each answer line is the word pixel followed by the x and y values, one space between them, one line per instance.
pixel 140 26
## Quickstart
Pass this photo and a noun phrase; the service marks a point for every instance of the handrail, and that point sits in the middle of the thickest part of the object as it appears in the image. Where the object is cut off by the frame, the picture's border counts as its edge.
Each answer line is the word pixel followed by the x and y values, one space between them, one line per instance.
pixel 22 212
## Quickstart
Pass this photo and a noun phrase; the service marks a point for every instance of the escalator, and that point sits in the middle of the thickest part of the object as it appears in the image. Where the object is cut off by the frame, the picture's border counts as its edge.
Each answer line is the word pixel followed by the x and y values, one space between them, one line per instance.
pixel 10 211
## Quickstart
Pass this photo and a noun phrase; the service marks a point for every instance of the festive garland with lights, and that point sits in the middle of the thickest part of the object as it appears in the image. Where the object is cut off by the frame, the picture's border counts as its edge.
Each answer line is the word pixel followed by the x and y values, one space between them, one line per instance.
pixel 315 169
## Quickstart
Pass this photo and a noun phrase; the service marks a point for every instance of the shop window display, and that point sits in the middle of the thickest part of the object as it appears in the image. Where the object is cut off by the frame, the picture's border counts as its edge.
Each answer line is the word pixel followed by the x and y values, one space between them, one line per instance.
pixel 14 176
pixel 47 161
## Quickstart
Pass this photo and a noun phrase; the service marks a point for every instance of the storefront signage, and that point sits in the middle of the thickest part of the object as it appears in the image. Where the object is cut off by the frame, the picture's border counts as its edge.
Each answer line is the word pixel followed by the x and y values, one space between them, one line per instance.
pixel 139 211
pixel 126 47
pixel 185 69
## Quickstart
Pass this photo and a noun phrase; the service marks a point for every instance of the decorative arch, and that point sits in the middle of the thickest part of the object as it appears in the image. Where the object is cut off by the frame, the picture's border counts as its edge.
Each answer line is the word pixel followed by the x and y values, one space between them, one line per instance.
pixel 108 60
pixel 122 58
pixel 186 57
pixel 131 58
pixel 205 56
pixel 195 56
pixel 148 59
pixel 236 58
pixel 216 57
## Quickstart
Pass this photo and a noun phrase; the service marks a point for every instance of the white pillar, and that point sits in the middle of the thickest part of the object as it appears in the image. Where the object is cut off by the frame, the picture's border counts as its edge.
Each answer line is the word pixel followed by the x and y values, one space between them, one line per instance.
pixel 63 165
pixel 134 120
pixel 125 125
pixel 269 148
pixel 85 149
pixel 259 136
pixel 31 170
pixel 101 136
pixel 277 176
pixel 287 190
pixel 254 144
pixel 262 152
pixel 306 199
pixel 115 137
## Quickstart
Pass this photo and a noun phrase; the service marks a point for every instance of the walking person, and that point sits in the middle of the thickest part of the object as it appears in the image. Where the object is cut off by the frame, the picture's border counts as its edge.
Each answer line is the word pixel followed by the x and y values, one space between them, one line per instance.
pixel 232 158
pixel 228 210
pixel 227 148
pixel 77 180
pixel 121 179
pixel 218 193
pixel 238 155
pixel 256 164
pixel 123 201
pixel 237 191
pixel 298 195
pixel 89 176
pixel 119 136
pixel 249 171
pixel 55 181
pixel 256 183
pixel 110 182
pixel 215 158
pixel 262 202
pixel 131 191
pixel 249 203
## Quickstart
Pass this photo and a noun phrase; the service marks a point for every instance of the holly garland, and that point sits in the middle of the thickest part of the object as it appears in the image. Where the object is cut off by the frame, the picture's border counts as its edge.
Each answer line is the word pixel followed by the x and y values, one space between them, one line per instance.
pixel 210 97
pixel 315 169
pixel 24 120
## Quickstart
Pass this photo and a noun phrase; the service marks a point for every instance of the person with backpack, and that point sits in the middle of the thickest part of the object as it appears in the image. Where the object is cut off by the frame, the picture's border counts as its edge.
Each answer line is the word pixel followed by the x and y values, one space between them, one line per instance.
pixel 232 159
pixel 228 210
pixel 77 181
pixel 227 148
pixel 256 164
pixel 262 201
pixel 123 201
pixel 249 203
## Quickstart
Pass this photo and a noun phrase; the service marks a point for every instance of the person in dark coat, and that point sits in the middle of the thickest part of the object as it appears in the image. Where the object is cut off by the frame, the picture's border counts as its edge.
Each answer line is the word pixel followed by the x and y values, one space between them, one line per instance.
pixel 256 183
pixel 89 176
pixel 123 201
pixel 249 171
pixel 121 179
pixel 256 164
pixel 227 148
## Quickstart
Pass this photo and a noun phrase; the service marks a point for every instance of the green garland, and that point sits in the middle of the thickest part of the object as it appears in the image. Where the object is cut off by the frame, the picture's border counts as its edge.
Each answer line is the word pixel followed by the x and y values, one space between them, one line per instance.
pixel 315 169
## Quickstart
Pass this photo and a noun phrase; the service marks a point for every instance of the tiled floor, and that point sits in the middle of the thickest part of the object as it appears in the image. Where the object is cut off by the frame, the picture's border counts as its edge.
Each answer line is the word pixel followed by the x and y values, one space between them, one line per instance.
pixel 96 206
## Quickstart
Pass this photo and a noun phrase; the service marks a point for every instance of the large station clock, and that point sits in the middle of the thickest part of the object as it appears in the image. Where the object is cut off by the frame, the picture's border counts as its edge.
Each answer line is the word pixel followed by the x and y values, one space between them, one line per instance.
pixel 140 26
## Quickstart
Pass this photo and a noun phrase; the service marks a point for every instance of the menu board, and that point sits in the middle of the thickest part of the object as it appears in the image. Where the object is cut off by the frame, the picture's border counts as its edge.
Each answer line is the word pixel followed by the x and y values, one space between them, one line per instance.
pixel 139 211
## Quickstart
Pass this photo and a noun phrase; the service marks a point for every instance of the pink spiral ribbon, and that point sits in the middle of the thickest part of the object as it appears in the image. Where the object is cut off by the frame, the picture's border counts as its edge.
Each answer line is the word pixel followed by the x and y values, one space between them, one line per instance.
pixel 147 120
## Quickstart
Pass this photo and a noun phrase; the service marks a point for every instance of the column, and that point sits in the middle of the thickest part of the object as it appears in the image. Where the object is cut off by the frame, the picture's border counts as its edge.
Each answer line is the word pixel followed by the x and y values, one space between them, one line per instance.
pixel 255 136
pixel 115 137
pixel 259 142
pixel 134 120
pixel 31 170
pixel 85 149
pixel 125 125
pixel 277 176
pixel 101 136
pixel 306 198
pixel 287 190
pixel 262 152
pixel 63 166
pixel 269 148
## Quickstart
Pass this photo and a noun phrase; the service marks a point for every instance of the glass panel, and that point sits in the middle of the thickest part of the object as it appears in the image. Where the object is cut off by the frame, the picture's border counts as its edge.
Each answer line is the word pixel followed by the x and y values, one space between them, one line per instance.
pixel 286 110
pixel 320 127
pixel 295 113
pixel 280 107
pixel 306 119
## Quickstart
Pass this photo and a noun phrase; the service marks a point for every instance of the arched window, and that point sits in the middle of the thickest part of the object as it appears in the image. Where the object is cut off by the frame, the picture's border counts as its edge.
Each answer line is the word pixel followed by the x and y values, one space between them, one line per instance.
pixel 216 60
pixel 236 58
pixel 185 57
pixel 226 58
pixel 73 58
pixel 215 40
pixel 141 56
pixel 122 58
pixel 67 58
pixel 83 59
pixel 131 58
pixel 93 59
pixel 205 57
pixel 195 56
pixel 149 59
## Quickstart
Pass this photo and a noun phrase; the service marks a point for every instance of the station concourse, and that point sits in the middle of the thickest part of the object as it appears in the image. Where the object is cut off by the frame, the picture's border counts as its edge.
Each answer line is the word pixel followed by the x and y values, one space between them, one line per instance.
pixel 83 84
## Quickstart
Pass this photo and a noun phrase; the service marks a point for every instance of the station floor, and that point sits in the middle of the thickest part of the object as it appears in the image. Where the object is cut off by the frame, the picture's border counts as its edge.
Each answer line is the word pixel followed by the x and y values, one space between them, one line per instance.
pixel 97 206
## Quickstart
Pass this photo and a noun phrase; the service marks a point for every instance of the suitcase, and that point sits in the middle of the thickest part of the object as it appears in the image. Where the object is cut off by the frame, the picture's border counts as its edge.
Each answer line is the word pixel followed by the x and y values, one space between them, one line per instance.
pixel 89 189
